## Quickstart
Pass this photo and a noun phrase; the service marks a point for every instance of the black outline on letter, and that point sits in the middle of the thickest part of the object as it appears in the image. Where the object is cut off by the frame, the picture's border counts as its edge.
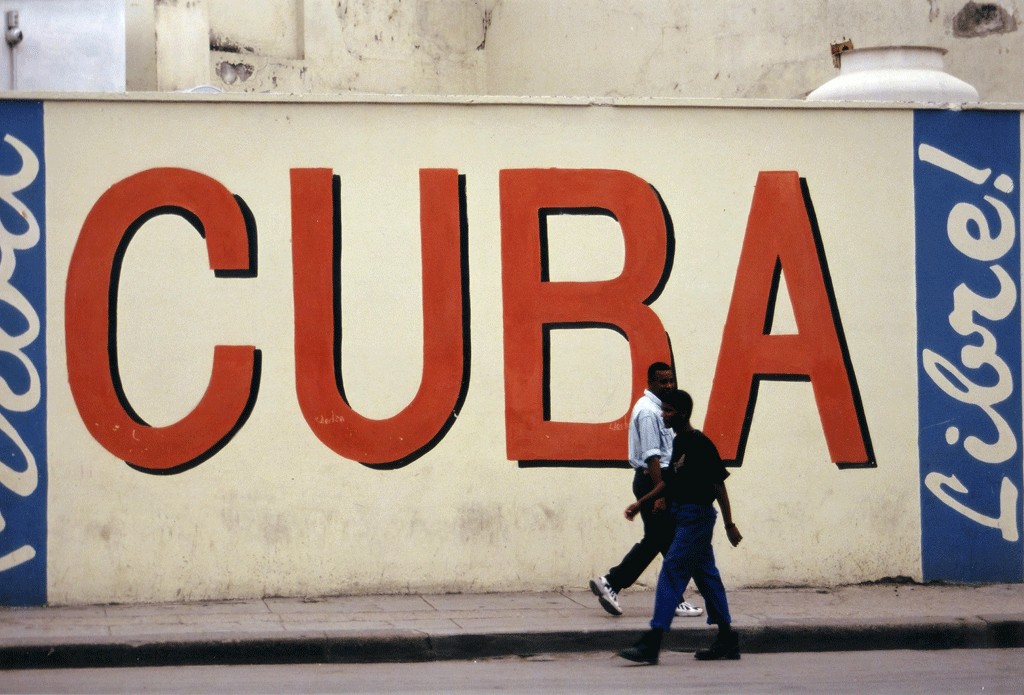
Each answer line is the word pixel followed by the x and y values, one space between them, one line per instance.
pixel 666 271
pixel 115 372
pixel 843 347
pixel 466 338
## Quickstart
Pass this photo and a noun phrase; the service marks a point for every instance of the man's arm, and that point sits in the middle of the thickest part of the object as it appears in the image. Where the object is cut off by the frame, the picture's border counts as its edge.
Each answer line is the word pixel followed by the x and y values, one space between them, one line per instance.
pixel 722 495
pixel 654 469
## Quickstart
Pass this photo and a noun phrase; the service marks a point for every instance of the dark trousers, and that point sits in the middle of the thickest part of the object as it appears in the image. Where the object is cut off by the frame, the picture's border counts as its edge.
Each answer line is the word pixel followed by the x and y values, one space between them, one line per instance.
pixel 659 530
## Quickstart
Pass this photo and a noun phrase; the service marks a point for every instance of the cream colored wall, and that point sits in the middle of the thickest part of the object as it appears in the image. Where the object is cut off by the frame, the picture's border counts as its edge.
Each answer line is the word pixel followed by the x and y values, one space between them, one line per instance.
pixel 140 45
pixel 724 49
pixel 633 48
pixel 182 44
pixel 277 513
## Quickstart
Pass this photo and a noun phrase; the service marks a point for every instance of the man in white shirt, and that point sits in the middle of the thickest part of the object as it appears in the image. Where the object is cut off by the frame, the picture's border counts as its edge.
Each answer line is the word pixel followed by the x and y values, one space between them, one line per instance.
pixel 650 453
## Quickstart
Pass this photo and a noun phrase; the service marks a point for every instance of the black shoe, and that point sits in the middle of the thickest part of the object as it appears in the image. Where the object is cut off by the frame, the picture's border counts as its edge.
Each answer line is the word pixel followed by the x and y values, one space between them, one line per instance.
pixel 645 651
pixel 726 646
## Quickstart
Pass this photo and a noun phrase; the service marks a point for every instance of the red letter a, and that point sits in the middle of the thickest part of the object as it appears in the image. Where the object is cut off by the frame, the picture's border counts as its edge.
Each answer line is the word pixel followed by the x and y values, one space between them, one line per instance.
pixel 782 235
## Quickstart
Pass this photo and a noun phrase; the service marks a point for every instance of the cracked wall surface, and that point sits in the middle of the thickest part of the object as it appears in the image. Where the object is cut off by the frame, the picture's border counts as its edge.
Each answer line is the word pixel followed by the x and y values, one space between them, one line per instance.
pixel 627 48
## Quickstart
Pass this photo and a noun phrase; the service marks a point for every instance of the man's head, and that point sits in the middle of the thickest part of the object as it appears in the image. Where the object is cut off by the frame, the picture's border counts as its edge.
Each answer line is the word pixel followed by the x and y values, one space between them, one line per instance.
pixel 676 409
pixel 660 379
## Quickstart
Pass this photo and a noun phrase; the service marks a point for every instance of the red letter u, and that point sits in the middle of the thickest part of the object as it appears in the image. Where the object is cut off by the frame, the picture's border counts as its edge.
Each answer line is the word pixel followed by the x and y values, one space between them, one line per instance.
pixel 316 250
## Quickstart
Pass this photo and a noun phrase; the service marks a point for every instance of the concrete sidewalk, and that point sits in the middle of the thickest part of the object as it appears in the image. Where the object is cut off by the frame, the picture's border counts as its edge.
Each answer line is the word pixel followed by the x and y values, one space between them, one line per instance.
pixel 469 626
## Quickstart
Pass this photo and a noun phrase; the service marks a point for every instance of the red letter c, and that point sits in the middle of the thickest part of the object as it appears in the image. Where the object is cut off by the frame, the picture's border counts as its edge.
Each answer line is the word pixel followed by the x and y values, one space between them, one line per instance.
pixel 90 321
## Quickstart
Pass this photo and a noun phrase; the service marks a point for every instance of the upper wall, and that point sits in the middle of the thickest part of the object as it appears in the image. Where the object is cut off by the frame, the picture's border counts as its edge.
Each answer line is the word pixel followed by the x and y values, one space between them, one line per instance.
pixel 631 48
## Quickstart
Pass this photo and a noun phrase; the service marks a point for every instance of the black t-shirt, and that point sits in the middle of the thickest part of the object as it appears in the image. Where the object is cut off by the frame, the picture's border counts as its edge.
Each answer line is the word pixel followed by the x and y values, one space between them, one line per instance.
pixel 696 469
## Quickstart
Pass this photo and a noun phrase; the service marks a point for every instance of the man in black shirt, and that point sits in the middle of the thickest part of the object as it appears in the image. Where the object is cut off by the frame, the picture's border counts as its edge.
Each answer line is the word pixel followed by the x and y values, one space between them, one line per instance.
pixel 650 453
pixel 697 480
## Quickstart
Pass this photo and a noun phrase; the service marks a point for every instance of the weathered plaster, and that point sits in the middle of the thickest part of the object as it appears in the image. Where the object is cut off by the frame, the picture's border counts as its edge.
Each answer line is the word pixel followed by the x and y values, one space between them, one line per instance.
pixel 641 48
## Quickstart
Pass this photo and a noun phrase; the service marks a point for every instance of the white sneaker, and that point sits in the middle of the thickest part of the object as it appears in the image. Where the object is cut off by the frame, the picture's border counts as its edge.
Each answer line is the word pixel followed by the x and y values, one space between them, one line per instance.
pixel 688 610
pixel 606 595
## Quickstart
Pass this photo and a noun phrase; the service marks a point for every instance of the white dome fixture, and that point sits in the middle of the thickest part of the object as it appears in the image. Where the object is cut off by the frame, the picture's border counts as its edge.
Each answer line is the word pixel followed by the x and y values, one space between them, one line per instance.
pixel 895 73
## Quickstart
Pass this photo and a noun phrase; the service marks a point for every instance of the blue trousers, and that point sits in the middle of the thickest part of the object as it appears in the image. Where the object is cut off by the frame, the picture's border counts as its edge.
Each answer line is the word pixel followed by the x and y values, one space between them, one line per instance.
pixel 690 556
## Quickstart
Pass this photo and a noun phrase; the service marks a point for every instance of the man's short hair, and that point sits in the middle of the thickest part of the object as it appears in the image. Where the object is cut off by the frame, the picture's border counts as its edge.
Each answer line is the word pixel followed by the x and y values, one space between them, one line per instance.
pixel 681 401
pixel 655 368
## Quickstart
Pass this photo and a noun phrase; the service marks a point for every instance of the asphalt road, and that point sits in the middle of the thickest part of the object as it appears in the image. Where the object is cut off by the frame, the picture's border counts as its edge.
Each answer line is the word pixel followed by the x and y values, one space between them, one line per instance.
pixel 890 672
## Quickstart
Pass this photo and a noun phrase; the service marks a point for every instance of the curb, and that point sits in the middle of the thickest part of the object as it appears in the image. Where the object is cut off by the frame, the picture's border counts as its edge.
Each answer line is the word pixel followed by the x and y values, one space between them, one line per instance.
pixel 396 646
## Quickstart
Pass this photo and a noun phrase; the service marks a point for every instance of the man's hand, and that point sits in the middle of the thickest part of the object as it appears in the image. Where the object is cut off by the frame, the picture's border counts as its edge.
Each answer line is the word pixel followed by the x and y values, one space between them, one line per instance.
pixel 659 505
pixel 632 510
pixel 734 534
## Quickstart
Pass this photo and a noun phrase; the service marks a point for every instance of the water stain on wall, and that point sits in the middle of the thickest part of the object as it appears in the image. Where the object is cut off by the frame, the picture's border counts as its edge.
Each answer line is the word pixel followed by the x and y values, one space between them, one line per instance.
pixel 975 20
pixel 481 521
pixel 225 44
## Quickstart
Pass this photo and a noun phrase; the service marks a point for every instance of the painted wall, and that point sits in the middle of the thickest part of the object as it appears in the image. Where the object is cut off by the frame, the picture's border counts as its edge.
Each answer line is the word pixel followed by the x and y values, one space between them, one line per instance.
pixel 401 356
pixel 617 48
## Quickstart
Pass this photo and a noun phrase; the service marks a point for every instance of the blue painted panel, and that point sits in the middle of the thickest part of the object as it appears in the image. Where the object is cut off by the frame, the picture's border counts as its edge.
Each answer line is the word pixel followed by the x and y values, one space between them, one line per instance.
pixel 22 355
pixel 967 168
